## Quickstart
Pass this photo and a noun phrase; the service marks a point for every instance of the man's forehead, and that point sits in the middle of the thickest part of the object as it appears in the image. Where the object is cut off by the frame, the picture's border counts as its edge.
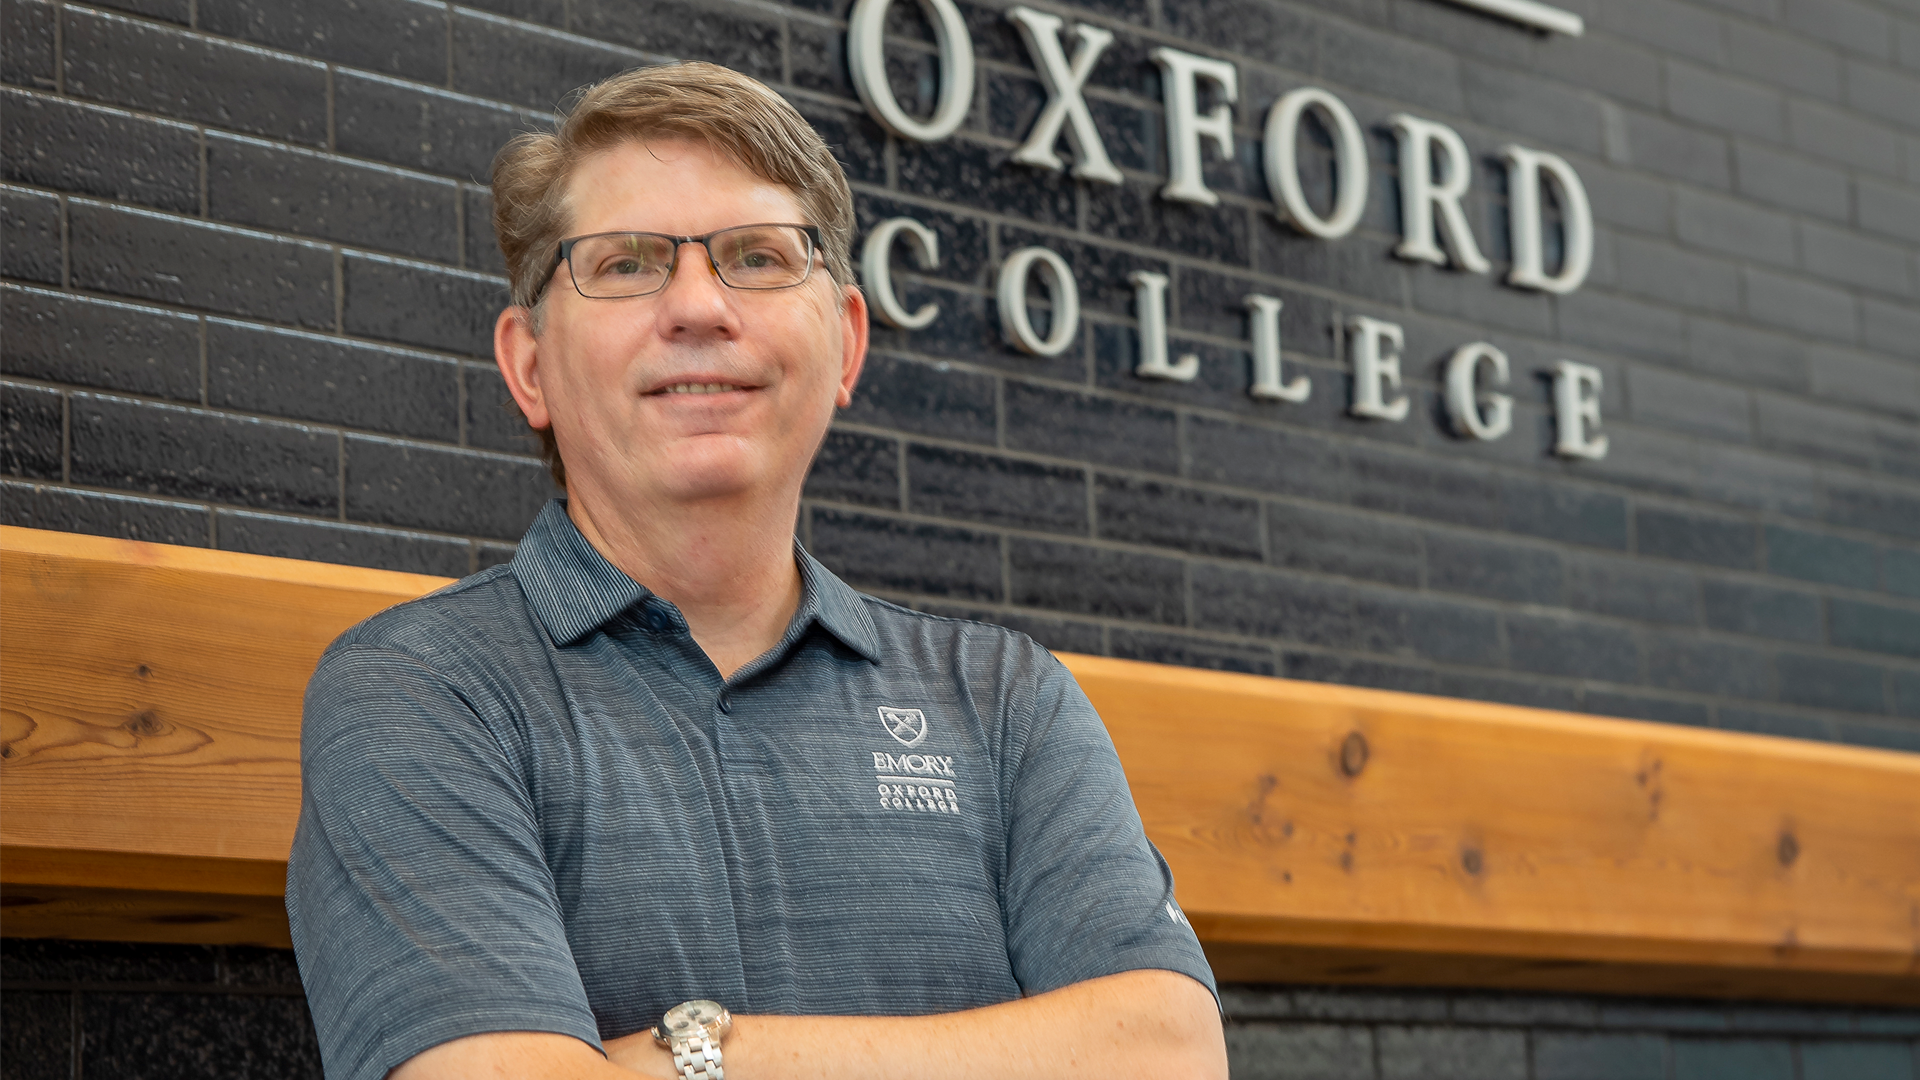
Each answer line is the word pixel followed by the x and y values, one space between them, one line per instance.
pixel 658 179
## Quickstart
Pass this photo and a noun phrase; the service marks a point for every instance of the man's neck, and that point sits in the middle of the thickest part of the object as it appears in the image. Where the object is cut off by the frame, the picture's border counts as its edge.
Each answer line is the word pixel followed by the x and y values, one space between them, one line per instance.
pixel 727 565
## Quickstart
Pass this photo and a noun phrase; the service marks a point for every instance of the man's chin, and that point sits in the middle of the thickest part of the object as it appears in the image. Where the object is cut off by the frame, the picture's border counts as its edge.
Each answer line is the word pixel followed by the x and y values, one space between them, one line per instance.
pixel 696 489
pixel 711 476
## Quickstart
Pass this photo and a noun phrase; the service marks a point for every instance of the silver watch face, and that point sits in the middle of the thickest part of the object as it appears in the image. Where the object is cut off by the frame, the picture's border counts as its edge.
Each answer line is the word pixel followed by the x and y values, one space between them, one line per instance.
pixel 693 1018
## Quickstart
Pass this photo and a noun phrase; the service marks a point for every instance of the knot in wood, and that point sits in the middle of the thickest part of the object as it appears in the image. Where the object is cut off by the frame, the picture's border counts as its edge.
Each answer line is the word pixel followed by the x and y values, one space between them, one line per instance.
pixel 146 725
pixel 1353 754
pixel 1788 850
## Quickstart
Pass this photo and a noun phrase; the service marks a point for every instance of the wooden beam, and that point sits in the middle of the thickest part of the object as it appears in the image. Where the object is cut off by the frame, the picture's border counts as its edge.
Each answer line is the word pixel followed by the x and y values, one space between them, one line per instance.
pixel 1340 834
pixel 149 716
pixel 151 698
pixel 131 896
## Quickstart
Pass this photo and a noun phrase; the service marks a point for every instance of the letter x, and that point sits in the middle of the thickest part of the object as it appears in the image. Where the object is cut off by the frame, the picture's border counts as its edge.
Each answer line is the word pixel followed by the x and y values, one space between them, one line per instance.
pixel 1063 81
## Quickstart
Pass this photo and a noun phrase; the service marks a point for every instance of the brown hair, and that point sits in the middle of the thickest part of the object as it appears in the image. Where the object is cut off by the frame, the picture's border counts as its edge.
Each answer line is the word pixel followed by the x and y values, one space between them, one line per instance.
pixel 735 115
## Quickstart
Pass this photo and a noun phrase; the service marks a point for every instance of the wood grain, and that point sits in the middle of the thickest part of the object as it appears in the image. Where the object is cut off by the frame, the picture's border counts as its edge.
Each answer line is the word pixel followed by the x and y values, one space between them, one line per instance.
pixel 151 696
pixel 1308 815
pixel 149 718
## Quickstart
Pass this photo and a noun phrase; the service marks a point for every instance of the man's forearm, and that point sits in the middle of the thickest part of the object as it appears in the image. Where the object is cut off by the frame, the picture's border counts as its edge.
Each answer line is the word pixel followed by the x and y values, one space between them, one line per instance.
pixel 1157 1024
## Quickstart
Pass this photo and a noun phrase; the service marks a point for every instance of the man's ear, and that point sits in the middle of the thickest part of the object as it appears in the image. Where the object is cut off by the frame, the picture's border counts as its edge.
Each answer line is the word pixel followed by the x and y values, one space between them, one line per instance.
pixel 853 343
pixel 517 352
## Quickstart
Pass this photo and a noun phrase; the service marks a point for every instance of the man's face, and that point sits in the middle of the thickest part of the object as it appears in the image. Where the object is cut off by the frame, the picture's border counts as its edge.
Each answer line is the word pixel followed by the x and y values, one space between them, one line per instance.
pixel 698 391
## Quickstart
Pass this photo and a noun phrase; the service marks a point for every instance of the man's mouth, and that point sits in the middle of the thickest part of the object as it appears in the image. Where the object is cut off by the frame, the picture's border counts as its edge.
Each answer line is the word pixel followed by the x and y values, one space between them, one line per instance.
pixel 699 388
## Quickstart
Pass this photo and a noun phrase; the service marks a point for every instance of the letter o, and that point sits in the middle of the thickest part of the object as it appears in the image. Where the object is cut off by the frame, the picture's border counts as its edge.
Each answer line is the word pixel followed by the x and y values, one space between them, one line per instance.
pixel 1463 402
pixel 1012 296
pixel 867 61
pixel 876 270
pixel 1350 163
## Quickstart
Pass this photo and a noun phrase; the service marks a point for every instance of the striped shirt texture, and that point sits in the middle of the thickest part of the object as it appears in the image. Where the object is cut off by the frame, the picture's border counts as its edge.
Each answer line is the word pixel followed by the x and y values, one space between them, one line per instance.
pixel 531 803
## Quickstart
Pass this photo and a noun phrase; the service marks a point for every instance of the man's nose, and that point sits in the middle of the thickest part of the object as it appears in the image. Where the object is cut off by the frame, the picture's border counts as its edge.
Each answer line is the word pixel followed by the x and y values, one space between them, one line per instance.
pixel 694 288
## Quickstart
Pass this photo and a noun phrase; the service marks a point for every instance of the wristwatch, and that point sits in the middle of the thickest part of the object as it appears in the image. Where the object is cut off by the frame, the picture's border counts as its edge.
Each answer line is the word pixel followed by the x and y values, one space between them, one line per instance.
pixel 693 1030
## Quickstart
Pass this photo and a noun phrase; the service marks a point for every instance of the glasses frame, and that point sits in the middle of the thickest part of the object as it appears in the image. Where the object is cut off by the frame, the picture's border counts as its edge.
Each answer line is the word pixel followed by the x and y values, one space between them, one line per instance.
pixel 564 254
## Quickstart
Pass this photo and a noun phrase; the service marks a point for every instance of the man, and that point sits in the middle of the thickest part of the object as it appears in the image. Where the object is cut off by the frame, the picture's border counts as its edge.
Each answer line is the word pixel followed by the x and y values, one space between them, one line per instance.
pixel 664 756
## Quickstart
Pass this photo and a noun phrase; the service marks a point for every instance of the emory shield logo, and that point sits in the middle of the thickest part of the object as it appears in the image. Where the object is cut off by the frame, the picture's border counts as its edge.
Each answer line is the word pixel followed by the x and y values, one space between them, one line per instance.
pixel 907 726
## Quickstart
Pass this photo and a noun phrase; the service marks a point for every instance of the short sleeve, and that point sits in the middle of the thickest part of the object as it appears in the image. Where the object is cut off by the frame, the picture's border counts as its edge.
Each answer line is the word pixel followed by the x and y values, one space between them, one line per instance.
pixel 1087 894
pixel 421 905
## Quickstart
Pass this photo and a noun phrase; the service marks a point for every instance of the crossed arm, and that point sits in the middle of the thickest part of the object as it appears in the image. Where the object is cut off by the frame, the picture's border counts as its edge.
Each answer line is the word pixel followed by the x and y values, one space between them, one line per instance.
pixel 1143 1024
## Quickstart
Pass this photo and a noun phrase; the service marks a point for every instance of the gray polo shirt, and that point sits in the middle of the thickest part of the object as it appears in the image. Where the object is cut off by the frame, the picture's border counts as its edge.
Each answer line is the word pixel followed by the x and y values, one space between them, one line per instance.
pixel 531 803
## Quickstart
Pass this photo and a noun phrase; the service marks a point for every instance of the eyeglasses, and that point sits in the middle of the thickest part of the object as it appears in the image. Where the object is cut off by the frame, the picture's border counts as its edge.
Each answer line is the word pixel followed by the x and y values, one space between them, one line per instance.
pixel 609 266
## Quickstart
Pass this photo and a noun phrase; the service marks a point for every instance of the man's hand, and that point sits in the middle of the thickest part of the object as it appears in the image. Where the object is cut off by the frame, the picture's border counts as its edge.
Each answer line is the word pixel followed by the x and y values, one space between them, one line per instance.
pixel 1144 1024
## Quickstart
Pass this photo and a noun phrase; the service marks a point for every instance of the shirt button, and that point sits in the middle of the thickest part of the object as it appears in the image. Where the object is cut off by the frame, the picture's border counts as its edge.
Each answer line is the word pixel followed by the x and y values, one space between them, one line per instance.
pixel 726 702
pixel 656 621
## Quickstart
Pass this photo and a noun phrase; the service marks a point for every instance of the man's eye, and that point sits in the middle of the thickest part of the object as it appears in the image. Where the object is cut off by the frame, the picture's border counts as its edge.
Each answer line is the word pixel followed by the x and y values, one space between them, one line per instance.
pixel 759 259
pixel 624 266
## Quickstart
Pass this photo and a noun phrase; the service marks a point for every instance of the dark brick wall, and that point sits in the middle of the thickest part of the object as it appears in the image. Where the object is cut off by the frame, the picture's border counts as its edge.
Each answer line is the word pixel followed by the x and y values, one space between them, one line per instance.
pixel 155 1012
pixel 251 278
pixel 249 283
pixel 159 1012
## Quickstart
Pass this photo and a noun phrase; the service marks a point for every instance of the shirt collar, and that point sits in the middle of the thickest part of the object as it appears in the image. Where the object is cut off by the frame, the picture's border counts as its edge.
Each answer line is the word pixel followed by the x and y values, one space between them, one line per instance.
pixel 832 603
pixel 574 591
pixel 571 587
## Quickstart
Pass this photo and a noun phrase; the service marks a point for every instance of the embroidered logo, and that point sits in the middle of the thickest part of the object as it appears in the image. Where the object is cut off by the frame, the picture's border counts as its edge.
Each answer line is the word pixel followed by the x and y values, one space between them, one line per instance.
pixel 907 726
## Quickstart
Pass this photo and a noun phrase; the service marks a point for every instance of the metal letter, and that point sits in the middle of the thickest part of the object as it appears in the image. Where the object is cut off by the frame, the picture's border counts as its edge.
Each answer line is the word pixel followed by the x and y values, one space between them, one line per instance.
pixel 867 60
pixel 1371 367
pixel 1420 192
pixel 1179 76
pixel 1266 354
pixel 1464 402
pixel 1531 13
pixel 1576 407
pixel 1524 170
pixel 1012 295
pixel 1041 32
pixel 876 270
pixel 1349 170
pixel 1150 305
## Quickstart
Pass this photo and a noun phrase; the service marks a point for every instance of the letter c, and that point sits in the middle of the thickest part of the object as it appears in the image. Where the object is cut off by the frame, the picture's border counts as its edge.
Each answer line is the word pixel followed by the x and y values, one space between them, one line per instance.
pixel 877 271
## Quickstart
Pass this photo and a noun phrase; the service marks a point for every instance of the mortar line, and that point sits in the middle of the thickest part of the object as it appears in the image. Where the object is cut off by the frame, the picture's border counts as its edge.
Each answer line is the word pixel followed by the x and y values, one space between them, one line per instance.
pixel 66 438
pixel 341 479
pixel 66 246
pixel 60 87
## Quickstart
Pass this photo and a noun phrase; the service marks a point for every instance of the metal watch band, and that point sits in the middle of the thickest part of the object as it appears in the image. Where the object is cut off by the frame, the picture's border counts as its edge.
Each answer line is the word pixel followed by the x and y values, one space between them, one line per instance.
pixel 698 1059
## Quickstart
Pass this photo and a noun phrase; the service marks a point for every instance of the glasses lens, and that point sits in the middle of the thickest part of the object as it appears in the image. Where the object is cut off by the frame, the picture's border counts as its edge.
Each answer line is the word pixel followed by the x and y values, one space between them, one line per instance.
pixel 762 256
pixel 621 264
